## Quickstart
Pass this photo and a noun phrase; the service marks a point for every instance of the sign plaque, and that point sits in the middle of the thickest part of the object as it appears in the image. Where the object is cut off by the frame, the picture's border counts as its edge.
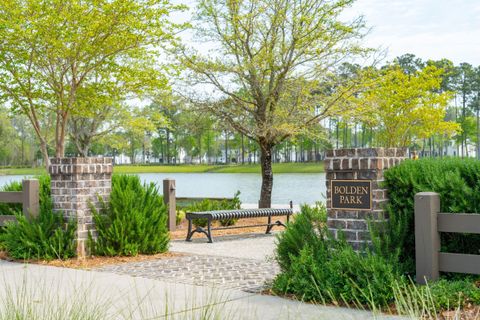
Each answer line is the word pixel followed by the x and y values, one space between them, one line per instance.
pixel 351 194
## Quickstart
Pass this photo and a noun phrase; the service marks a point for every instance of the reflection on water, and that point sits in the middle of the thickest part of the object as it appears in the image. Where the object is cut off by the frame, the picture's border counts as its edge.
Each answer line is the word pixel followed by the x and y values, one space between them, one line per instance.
pixel 300 188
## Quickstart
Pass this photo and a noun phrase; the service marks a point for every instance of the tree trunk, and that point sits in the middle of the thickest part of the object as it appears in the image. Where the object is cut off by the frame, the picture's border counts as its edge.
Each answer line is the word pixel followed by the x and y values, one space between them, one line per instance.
pixel 243 150
pixel 168 147
pixel 226 148
pixel 267 176
pixel 44 150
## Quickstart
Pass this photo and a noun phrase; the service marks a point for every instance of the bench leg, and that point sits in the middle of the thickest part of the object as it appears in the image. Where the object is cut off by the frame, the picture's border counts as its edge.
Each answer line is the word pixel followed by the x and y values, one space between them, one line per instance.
pixel 190 232
pixel 269 226
pixel 288 218
pixel 209 231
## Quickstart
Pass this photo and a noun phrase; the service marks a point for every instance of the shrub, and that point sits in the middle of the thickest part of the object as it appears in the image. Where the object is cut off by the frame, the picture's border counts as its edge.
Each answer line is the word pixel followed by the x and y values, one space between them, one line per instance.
pixel 45 237
pixel 133 222
pixel 308 228
pixel 458 183
pixel 316 267
pixel 211 205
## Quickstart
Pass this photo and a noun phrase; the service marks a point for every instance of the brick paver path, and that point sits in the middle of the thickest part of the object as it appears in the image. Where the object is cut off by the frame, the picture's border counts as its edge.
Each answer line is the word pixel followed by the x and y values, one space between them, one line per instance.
pixel 249 275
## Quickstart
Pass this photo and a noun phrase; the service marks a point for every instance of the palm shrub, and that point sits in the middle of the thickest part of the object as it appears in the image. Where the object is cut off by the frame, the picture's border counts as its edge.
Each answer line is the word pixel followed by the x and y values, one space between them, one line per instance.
pixel 47 236
pixel 134 221
pixel 458 183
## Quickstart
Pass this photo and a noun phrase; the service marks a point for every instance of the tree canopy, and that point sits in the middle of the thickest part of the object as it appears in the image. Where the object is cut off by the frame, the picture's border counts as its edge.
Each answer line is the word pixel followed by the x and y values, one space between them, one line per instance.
pixel 407 105
pixel 56 55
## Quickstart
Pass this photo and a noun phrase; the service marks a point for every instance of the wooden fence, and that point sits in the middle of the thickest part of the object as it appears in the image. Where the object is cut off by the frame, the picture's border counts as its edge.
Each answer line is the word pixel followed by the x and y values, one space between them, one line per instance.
pixel 429 223
pixel 28 197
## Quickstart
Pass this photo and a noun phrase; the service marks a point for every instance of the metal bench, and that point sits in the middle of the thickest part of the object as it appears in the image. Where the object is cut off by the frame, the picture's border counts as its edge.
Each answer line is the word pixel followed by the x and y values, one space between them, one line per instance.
pixel 235 214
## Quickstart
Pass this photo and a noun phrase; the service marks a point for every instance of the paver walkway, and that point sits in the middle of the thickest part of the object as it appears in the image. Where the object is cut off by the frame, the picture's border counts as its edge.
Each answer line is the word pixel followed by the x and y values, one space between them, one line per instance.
pixel 239 262
pixel 248 275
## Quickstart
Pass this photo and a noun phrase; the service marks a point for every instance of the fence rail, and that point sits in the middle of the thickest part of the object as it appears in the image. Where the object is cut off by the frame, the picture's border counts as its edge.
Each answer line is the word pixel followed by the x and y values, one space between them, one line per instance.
pixel 429 223
pixel 28 197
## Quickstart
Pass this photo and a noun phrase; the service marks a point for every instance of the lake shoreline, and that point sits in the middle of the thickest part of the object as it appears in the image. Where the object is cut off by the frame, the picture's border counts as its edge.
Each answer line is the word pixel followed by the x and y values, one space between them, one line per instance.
pixel 293 167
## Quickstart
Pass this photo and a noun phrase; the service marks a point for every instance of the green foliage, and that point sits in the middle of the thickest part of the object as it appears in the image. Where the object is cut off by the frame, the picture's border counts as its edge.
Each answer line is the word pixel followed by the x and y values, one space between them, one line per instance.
pixel 45 237
pixel 316 267
pixel 307 229
pixel 133 222
pixel 11 208
pixel 426 302
pixel 458 183
pixel 454 293
pixel 212 205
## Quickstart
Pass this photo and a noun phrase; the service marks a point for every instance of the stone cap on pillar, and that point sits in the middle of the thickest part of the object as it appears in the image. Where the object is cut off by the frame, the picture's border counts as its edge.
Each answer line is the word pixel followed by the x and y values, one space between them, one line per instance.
pixel 358 159
pixel 367 152
pixel 80 165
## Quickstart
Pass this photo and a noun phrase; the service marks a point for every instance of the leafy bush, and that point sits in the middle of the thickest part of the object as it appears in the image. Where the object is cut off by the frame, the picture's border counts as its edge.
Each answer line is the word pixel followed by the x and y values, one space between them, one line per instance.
pixel 211 205
pixel 307 229
pixel 458 183
pixel 133 222
pixel 45 237
pixel 316 267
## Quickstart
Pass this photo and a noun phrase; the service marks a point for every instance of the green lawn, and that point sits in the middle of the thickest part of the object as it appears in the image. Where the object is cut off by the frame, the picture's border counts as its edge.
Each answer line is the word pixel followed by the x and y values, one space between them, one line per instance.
pixel 277 168
pixel 22 171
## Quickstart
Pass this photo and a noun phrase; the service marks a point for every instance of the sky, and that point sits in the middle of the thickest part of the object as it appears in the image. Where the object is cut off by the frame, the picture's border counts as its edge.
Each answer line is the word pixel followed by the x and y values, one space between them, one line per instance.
pixel 430 29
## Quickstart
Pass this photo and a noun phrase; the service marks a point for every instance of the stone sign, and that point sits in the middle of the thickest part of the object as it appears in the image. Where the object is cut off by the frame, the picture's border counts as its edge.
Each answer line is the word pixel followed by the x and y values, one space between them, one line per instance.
pixel 355 194
pixel 351 194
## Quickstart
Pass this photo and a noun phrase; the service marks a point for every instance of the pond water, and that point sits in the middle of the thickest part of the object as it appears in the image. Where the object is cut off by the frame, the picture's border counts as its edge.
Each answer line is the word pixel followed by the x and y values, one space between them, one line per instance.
pixel 298 187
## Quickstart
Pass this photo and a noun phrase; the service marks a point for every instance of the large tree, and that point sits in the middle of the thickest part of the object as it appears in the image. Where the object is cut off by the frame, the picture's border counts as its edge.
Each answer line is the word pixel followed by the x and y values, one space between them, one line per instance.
pixel 51 51
pixel 267 60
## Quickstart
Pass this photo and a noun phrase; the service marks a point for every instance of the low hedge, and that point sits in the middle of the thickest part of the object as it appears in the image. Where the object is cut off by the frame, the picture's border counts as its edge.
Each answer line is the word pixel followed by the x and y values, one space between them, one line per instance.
pixel 458 183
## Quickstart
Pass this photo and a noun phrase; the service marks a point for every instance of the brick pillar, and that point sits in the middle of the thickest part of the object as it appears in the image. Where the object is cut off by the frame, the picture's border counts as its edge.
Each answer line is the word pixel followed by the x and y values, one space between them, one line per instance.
pixel 75 183
pixel 354 165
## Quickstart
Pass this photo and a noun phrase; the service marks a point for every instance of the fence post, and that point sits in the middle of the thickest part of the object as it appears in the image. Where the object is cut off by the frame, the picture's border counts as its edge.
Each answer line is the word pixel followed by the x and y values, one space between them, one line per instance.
pixel 427 237
pixel 30 198
pixel 169 200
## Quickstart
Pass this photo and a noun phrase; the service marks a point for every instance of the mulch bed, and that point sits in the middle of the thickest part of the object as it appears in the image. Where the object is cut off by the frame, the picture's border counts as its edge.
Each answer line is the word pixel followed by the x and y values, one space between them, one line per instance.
pixel 93 261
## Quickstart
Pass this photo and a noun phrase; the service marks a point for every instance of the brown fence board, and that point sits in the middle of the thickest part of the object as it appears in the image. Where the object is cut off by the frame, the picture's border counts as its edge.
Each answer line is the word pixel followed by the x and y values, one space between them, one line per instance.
pixel 462 263
pixel 459 222
pixel 11 197
pixel 4 219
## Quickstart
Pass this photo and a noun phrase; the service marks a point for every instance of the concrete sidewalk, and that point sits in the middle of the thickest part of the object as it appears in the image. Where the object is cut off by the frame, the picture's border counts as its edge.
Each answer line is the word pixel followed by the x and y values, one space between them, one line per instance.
pixel 124 297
